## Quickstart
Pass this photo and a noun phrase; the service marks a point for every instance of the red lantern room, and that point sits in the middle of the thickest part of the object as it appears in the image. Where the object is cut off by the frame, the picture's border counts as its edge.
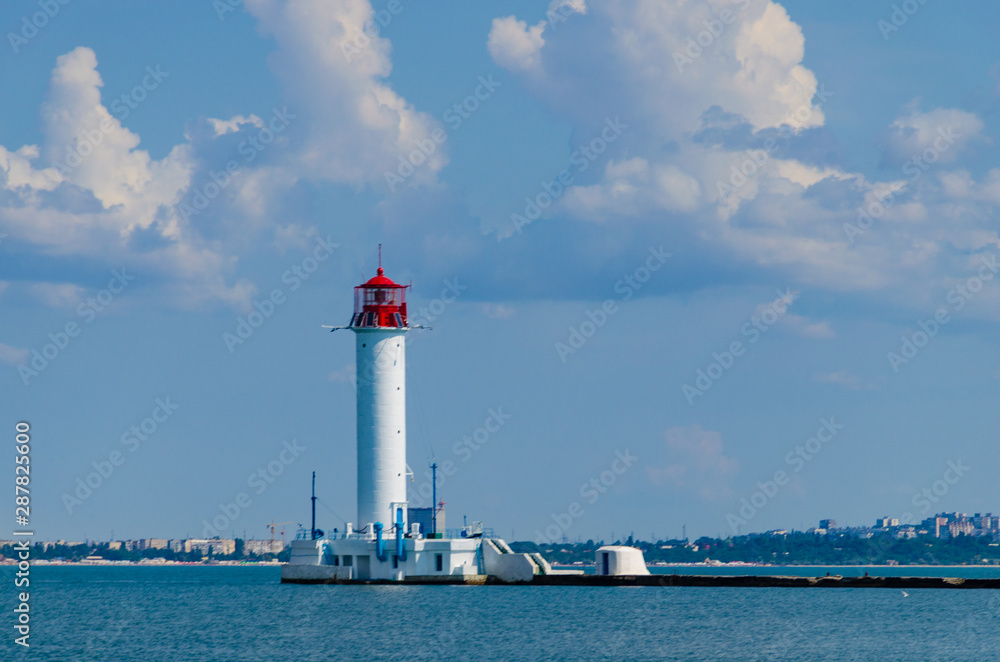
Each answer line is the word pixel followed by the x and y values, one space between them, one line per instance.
pixel 379 302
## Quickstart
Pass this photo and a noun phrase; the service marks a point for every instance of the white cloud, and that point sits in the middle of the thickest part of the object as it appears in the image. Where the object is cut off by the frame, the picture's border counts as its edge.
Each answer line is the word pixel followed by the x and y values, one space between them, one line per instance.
pixel 702 97
pixel 89 191
pixel 565 8
pixel 12 355
pixel 515 46
pixel 938 136
pixel 695 460
pixel 57 295
pixel 649 66
pixel 234 124
pixel 632 187
pixel 351 127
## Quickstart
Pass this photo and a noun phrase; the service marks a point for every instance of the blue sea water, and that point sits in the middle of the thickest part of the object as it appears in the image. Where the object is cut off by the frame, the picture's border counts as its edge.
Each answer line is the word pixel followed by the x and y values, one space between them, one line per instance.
pixel 964 571
pixel 243 613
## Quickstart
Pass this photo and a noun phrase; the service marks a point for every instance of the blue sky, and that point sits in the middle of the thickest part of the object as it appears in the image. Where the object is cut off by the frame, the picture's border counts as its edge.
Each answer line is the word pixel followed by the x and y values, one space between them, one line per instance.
pixel 197 160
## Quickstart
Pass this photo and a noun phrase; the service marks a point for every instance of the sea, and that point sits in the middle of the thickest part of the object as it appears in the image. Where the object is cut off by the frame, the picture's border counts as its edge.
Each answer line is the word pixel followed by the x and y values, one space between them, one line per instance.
pixel 237 613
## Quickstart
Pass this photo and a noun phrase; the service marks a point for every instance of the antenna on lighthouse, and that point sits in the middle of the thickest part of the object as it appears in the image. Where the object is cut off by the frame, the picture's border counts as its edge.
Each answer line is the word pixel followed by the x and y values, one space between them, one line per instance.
pixel 312 530
pixel 380 256
pixel 434 498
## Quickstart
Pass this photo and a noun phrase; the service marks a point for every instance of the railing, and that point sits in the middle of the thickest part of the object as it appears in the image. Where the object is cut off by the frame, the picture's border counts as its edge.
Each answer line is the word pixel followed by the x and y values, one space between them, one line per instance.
pixel 475 530
pixel 472 531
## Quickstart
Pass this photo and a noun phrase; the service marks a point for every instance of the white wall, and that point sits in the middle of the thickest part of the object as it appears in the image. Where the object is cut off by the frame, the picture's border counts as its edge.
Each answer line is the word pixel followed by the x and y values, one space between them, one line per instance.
pixel 621 561
pixel 381 410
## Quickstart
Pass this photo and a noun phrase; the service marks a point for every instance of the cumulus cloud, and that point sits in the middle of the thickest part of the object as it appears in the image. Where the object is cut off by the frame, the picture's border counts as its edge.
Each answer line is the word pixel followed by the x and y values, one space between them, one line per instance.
pixel 938 136
pixel 653 62
pixel 90 190
pixel 351 126
pixel 515 46
pixel 727 151
pixel 695 460
pixel 632 187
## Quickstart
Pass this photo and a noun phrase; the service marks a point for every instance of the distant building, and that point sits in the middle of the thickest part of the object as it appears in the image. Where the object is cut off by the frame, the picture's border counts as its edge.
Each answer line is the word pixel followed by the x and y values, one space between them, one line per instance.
pixel 886 522
pixel 962 528
pixel 261 547
pixel 828 524
pixel 213 547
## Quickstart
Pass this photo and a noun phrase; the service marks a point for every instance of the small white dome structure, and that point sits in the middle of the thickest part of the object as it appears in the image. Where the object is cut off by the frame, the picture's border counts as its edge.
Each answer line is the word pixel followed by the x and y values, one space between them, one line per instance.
pixel 620 560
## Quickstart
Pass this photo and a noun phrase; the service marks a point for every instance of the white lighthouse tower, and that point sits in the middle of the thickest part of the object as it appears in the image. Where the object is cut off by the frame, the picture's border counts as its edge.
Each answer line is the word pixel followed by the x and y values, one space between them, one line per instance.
pixel 384 545
pixel 379 324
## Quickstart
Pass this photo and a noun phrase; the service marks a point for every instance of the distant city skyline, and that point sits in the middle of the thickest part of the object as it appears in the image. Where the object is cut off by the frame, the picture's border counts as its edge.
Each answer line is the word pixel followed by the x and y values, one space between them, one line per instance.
pixel 950 524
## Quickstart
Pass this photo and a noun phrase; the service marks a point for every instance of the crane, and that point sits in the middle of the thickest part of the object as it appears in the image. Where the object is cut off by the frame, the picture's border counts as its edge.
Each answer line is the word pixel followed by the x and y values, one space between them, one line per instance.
pixel 273 526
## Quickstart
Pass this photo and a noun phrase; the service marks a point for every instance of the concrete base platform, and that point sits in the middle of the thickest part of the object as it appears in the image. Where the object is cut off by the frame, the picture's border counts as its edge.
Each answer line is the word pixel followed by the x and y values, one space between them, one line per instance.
pixel 325 574
pixel 305 574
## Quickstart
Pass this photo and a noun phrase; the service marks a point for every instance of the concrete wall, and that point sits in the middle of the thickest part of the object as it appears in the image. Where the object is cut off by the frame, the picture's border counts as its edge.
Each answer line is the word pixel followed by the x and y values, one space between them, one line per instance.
pixel 303 572
pixel 458 557
pixel 505 565
pixel 307 552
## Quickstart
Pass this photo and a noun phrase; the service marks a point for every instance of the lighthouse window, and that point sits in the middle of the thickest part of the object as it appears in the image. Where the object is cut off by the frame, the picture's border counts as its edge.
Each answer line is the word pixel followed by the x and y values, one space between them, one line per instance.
pixel 369 319
pixel 395 562
pixel 397 318
pixel 439 562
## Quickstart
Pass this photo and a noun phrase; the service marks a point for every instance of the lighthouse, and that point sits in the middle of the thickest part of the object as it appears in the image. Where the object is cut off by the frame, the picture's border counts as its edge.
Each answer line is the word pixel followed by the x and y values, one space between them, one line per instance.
pixel 379 325
pixel 385 544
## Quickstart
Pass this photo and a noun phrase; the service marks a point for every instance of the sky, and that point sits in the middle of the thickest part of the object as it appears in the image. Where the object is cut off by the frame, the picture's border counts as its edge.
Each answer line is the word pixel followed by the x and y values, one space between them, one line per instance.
pixel 711 267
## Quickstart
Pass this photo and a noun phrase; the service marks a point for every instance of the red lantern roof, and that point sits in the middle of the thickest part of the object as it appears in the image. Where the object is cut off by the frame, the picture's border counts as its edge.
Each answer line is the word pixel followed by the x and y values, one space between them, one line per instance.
pixel 381 281
pixel 379 303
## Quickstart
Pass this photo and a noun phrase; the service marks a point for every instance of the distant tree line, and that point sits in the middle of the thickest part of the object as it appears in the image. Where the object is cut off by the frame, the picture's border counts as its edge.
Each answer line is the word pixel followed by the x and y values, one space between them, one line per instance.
pixel 76 553
pixel 791 549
